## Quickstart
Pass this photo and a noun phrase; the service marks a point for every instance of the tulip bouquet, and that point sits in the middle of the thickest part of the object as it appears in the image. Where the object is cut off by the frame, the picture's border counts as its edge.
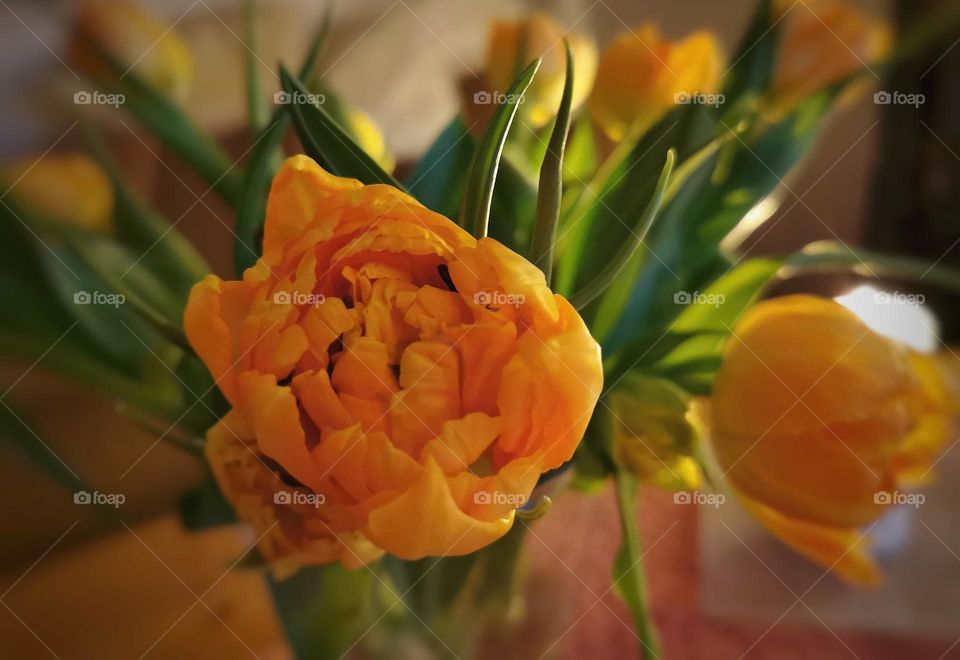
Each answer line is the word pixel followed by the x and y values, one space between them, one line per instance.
pixel 403 369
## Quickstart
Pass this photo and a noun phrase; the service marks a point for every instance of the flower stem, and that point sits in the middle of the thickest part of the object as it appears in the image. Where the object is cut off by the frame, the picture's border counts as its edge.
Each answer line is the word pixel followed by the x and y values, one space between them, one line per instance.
pixel 628 568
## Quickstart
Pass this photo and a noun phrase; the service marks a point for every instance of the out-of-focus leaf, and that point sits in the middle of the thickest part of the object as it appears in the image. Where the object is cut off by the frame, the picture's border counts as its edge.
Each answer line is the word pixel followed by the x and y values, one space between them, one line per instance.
pixel 755 60
pixel 205 507
pixel 622 257
pixel 482 173
pixel 327 142
pixel 685 243
pixel 262 164
pixel 580 158
pixel 597 219
pixel 171 126
pixel 437 181
pixel 16 434
pixel 324 608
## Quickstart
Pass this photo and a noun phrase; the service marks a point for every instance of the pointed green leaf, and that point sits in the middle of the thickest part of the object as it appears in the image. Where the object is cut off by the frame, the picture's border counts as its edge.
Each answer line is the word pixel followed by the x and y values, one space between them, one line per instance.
pixel 262 164
pixel 551 180
pixel 482 174
pixel 606 276
pixel 326 141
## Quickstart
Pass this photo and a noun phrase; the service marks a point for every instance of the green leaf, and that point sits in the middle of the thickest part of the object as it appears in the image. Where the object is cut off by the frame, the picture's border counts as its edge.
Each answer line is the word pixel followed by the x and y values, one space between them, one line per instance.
pixel 327 142
pixel 580 158
pixel 720 305
pixel 162 250
pixel 712 204
pixel 482 174
pixel 262 165
pixel 204 507
pixel 324 608
pixel 551 180
pixel 19 436
pixel 628 575
pixel 595 217
pixel 256 106
pixel 606 276
pixel 170 125
pixel 437 181
pixel 755 60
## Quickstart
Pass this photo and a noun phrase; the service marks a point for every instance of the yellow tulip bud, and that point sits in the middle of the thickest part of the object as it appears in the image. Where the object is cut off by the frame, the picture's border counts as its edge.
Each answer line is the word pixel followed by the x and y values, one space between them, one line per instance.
pixel 824 42
pixel 514 44
pixel 817 420
pixel 368 136
pixel 655 432
pixel 69 188
pixel 137 40
pixel 641 76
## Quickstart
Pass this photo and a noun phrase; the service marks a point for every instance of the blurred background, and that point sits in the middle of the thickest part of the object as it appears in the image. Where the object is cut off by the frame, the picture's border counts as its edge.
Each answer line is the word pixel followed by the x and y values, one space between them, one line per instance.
pixel 77 585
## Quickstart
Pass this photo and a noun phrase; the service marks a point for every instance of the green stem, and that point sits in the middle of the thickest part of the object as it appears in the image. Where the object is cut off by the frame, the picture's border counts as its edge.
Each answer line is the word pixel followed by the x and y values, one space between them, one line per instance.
pixel 626 491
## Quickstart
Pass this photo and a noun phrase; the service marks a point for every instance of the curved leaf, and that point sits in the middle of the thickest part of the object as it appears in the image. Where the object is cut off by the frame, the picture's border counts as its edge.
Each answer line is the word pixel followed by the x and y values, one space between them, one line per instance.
pixel 551 180
pixel 326 141
pixel 482 175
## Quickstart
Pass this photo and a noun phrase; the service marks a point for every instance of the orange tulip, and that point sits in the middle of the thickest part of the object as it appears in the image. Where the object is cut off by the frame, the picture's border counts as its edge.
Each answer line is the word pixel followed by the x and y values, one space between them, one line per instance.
pixel 539 36
pixel 817 420
pixel 641 76
pixel 824 42
pixel 396 384
pixel 136 39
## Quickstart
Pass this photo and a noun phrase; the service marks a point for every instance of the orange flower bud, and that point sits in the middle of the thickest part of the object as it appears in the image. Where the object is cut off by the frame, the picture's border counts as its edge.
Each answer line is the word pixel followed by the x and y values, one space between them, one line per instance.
pixel 396 384
pixel 539 36
pixel 70 188
pixel 136 39
pixel 823 42
pixel 817 420
pixel 641 76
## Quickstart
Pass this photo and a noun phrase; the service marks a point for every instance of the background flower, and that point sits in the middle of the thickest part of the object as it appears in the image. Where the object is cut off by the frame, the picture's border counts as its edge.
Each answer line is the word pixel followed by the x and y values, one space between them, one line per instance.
pixel 812 464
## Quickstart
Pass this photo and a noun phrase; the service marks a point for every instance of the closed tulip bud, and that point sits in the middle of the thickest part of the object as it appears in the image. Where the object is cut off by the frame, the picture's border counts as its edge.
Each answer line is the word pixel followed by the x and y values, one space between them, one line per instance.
pixel 67 188
pixel 823 43
pixel 655 432
pixel 514 44
pixel 641 76
pixel 136 40
pixel 817 420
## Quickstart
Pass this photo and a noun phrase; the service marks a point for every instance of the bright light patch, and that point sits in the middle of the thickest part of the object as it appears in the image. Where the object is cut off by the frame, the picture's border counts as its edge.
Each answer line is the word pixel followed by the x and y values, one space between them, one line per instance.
pixel 895 314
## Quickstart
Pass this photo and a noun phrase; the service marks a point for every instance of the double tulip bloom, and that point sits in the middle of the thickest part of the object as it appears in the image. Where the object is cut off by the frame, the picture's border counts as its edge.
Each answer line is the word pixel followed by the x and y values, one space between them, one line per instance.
pixel 396 384
pixel 817 420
